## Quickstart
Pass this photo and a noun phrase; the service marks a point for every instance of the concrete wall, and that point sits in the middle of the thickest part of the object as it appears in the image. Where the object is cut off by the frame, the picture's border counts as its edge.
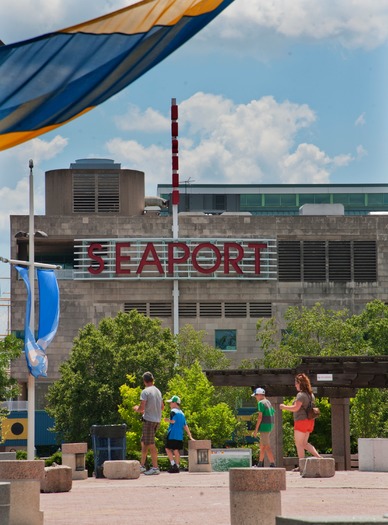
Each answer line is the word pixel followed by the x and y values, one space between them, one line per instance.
pixel 85 302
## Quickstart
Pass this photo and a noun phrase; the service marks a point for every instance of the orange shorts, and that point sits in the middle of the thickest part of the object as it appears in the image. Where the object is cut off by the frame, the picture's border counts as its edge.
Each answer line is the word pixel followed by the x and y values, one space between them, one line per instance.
pixel 304 425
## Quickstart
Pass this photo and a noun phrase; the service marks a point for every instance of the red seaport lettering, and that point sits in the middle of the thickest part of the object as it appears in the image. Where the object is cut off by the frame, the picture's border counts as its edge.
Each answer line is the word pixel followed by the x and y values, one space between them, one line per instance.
pixel 256 248
pixel 121 258
pixel 150 249
pixel 181 259
pixel 97 258
pixel 209 246
pixel 228 260
pixel 177 260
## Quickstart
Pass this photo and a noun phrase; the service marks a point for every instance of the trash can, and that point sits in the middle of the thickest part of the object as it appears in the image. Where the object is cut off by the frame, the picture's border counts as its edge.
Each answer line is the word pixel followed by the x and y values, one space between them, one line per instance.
pixel 109 443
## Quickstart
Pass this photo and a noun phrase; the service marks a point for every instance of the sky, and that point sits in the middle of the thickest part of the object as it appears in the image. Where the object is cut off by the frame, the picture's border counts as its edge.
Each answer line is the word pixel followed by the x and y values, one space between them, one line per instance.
pixel 272 91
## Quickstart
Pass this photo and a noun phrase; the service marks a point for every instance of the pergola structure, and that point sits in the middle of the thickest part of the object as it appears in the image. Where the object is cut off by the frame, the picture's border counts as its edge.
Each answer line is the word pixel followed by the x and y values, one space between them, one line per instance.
pixel 337 378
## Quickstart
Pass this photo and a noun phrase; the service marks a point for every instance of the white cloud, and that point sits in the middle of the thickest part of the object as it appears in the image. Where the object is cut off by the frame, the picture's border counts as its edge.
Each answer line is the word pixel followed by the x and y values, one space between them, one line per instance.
pixel 253 26
pixel 360 121
pixel 361 152
pixel 256 142
pixel 150 120
pixel 351 23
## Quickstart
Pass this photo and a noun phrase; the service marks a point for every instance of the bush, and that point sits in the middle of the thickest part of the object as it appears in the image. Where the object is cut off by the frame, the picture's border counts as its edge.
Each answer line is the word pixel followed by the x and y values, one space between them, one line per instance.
pixel 21 454
pixel 89 462
pixel 55 458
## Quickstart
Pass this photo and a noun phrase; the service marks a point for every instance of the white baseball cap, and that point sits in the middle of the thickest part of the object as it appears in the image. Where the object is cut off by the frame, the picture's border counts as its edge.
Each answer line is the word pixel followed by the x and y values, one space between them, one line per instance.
pixel 258 391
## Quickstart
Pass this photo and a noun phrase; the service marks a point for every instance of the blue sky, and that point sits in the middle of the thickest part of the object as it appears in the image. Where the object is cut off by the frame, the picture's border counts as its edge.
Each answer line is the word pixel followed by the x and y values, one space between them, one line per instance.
pixel 272 91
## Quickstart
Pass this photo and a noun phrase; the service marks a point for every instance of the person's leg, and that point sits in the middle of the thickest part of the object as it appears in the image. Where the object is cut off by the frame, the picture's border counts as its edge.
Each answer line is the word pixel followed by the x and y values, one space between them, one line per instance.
pixel 310 448
pixel 300 442
pixel 144 449
pixel 170 455
pixel 177 457
pixel 268 453
pixel 154 455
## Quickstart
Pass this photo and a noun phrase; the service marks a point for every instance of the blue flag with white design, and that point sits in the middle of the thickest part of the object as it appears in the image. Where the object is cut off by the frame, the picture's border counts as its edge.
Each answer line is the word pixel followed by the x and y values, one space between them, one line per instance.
pixel 35 351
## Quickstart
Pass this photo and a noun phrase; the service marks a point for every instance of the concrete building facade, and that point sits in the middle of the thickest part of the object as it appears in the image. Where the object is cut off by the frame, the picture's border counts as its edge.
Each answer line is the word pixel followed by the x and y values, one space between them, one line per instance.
pixel 231 269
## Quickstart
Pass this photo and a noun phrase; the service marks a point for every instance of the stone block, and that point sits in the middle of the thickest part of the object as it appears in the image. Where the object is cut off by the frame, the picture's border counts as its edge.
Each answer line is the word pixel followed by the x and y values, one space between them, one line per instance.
pixel 199 455
pixel 317 467
pixel 7 456
pixel 74 448
pixel 121 469
pixel 373 454
pixel 28 469
pixel 25 502
pixel 57 479
pixel 332 520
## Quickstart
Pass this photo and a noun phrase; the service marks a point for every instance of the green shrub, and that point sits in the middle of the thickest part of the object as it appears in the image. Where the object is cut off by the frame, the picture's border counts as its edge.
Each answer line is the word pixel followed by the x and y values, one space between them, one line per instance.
pixel 89 462
pixel 21 454
pixel 55 458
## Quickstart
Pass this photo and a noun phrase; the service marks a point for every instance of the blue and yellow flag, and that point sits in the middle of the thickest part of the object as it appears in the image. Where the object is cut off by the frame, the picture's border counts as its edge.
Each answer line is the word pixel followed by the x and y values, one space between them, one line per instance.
pixel 51 79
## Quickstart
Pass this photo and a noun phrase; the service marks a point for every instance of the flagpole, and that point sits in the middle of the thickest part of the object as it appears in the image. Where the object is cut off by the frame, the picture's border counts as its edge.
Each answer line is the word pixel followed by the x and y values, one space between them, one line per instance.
pixel 31 271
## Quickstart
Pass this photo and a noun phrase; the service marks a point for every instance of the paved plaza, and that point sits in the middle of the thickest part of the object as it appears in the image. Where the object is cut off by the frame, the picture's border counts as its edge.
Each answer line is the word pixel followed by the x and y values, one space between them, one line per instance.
pixel 203 498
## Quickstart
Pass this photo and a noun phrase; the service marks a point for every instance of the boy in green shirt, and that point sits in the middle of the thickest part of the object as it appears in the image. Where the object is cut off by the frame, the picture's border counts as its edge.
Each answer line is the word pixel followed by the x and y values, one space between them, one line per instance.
pixel 264 425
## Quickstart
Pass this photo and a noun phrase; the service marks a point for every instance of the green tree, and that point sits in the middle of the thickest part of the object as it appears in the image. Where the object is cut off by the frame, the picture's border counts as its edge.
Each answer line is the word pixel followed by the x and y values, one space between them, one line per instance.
pixel 10 348
pixel 314 331
pixel 207 417
pixel 368 414
pixel 318 331
pixel 88 391
pixel 191 348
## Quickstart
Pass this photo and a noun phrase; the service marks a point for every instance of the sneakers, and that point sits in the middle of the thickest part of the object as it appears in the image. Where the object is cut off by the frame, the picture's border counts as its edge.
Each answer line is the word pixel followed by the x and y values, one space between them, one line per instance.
pixel 142 469
pixel 174 469
pixel 296 469
pixel 272 465
pixel 153 471
pixel 260 464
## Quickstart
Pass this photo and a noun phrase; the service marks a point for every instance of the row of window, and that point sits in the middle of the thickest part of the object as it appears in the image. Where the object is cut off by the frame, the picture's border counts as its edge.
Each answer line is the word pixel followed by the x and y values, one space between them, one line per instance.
pixel 253 202
pixel 208 309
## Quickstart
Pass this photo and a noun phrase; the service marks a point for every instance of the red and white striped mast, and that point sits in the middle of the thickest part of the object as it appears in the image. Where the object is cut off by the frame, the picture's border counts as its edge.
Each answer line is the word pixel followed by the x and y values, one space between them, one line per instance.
pixel 175 203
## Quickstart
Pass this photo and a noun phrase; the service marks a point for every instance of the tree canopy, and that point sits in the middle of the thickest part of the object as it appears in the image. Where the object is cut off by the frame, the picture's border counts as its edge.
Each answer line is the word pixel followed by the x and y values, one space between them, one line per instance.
pixel 207 417
pixel 10 348
pixel 88 391
pixel 318 331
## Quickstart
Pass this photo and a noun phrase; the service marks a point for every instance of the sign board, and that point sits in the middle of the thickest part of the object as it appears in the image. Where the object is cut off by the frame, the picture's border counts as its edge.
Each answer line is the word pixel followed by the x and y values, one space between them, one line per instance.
pixel 146 258
pixel 222 459
pixel 324 377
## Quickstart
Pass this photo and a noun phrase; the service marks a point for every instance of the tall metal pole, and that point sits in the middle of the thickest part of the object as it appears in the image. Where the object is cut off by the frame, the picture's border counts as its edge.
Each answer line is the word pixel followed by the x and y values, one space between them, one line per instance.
pixel 31 272
pixel 175 202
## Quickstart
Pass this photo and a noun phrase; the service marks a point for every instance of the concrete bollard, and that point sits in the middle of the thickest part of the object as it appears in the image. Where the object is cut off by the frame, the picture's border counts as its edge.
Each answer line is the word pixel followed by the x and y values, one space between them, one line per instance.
pixel 73 455
pixel 24 477
pixel 5 503
pixel 255 495
pixel 199 455
pixel 330 520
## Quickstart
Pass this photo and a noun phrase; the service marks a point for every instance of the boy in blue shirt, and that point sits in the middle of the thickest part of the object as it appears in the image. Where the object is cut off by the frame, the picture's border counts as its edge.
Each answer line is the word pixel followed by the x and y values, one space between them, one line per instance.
pixel 174 439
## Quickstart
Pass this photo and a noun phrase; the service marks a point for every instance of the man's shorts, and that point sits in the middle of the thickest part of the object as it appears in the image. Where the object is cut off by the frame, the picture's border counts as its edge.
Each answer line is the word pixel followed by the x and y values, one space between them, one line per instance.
pixel 174 444
pixel 149 431
pixel 264 438
pixel 304 425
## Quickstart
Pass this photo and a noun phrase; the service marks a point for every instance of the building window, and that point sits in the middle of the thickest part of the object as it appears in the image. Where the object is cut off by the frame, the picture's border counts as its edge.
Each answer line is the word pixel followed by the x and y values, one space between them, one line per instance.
pixel 250 202
pixel 219 202
pixel 226 340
